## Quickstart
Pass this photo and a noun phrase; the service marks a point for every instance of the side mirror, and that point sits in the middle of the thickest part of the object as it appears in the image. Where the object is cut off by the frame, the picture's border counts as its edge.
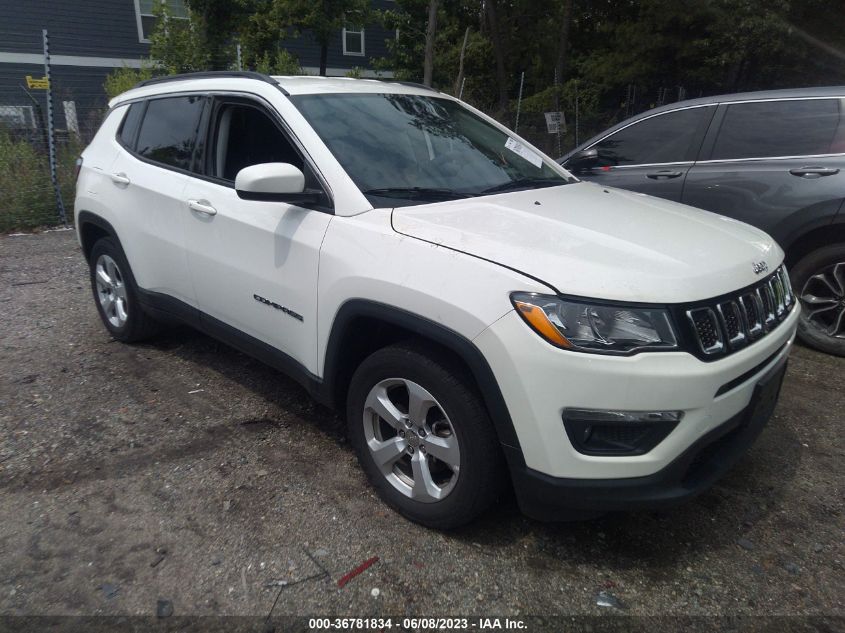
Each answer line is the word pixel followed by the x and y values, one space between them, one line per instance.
pixel 274 182
pixel 583 160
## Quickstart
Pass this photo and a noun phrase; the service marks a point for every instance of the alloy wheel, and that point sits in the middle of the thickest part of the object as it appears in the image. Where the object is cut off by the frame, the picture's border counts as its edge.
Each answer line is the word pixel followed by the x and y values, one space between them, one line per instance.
pixel 823 297
pixel 411 440
pixel 111 291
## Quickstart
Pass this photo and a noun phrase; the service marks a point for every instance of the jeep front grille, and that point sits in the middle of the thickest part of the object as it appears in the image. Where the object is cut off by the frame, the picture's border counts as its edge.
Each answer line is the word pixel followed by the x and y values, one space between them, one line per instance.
pixel 731 322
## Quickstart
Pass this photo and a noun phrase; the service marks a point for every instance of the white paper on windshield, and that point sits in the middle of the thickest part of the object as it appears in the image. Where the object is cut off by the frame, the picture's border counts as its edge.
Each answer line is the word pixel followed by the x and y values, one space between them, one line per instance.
pixel 520 150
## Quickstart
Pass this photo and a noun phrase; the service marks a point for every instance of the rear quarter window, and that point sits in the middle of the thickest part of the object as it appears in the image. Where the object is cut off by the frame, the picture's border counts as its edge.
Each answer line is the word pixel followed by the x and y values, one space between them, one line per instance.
pixel 777 128
pixel 168 133
pixel 131 122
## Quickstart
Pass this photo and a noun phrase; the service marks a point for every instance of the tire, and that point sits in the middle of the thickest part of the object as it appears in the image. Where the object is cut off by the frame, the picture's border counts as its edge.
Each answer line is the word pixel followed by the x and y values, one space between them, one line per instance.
pixel 456 427
pixel 116 295
pixel 821 275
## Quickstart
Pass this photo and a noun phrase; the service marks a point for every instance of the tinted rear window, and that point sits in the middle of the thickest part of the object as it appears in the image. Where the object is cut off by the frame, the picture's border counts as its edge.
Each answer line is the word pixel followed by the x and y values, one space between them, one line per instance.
pixel 665 138
pixel 131 121
pixel 169 130
pixel 777 128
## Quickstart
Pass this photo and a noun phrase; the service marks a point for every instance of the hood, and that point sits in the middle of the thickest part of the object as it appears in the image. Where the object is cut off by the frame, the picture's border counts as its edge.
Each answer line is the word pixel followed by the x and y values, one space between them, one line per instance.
pixel 592 241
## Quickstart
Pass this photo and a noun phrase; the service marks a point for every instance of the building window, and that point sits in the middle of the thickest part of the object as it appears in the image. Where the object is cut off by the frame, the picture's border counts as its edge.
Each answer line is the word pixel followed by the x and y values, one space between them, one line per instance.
pixel 353 41
pixel 17 116
pixel 145 15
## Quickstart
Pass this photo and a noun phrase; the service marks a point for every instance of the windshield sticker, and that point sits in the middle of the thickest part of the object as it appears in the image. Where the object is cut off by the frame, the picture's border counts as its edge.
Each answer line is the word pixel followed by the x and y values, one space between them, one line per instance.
pixel 520 150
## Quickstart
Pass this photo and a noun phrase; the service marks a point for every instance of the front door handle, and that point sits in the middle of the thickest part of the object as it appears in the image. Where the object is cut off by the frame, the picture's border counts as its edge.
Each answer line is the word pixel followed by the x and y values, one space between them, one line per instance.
pixel 120 179
pixel 659 175
pixel 202 206
pixel 813 172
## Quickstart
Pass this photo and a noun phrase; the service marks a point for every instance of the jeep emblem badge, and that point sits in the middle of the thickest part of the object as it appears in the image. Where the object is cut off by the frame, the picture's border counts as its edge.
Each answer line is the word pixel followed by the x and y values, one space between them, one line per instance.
pixel 759 267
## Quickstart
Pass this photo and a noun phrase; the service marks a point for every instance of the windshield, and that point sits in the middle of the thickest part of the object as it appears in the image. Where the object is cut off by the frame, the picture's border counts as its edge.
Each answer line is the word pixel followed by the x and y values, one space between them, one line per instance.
pixel 414 148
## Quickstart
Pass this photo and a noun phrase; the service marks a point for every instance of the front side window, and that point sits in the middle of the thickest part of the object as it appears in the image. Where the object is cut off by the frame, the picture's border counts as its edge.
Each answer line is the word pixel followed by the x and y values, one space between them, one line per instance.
pixel 145 13
pixel 245 136
pixel 778 128
pixel 169 130
pixel 665 138
pixel 417 147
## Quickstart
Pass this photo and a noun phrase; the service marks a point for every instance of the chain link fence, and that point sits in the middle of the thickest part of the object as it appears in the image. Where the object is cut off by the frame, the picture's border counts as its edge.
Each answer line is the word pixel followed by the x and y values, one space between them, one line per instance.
pixel 37 158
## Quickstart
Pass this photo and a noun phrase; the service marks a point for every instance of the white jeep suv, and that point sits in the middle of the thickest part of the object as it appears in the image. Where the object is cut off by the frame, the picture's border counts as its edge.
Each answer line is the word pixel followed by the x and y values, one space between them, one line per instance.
pixel 478 313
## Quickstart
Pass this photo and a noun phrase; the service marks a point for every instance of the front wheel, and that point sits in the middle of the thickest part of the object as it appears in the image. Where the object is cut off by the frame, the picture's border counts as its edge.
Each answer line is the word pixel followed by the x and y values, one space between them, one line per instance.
pixel 116 295
pixel 423 436
pixel 818 280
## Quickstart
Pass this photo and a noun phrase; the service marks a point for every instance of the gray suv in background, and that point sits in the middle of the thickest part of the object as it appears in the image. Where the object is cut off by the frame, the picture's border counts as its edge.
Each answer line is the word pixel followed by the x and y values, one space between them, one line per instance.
pixel 773 159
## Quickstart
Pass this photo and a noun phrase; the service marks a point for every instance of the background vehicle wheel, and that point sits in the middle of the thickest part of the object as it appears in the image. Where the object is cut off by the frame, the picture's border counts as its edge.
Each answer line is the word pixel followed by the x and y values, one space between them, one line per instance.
pixel 116 296
pixel 423 436
pixel 819 282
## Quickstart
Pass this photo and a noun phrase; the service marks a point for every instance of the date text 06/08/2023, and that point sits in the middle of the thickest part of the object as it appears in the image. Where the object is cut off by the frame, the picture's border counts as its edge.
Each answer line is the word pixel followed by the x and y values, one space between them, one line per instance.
pixel 417 624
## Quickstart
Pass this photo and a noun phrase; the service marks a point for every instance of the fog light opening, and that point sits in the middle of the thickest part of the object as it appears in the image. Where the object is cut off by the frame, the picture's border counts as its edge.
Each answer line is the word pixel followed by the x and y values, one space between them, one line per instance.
pixel 619 433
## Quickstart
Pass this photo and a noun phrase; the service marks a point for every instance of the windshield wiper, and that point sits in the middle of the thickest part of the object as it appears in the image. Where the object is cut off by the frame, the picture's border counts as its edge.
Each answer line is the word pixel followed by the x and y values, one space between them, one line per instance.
pixel 417 192
pixel 524 183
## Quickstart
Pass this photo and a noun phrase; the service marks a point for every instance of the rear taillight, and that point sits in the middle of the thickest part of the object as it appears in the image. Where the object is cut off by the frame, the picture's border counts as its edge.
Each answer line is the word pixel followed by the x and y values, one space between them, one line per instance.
pixel 78 168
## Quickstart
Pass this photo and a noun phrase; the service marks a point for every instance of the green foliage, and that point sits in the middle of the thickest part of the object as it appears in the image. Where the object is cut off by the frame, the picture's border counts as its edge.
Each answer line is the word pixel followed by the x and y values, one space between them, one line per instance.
pixel 356 72
pixel 122 79
pixel 323 19
pixel 407 50
pixel 282 63
pixel 216 24
pixel 67 154
pixel 28 199
pixel 623 57
pixel 177 45
pixel 271 21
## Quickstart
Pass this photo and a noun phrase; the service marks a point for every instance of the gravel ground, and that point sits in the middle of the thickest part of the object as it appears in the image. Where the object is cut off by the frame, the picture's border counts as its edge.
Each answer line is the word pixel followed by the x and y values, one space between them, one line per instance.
pixel 183 471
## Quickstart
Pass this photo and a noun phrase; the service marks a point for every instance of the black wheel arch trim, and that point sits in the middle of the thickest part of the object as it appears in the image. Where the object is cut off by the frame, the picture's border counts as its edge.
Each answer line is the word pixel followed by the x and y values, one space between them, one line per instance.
pixel 87 217
pixel 436 332
pixel 794 229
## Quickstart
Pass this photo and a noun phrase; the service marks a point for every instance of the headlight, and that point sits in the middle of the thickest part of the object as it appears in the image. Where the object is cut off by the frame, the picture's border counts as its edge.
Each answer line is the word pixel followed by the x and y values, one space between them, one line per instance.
pixel 589 327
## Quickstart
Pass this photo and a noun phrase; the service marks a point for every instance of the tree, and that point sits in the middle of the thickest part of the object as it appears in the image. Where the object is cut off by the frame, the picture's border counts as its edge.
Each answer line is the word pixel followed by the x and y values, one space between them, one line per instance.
pixel 282 63
pixel 124 78
pixel 430 30
pixel 563 40
pixel 407 50
pixel 497 39
pixel 176 45
pixel 216 23
pixel 322 19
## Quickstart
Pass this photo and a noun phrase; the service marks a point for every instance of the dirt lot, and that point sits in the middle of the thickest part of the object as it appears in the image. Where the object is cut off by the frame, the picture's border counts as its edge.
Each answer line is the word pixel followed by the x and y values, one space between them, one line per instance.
pixel 184 471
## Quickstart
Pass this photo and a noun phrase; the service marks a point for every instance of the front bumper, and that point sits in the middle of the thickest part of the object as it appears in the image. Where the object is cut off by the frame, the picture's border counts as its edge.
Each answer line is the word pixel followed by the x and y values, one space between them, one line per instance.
pixel 718 400
pixel 696 469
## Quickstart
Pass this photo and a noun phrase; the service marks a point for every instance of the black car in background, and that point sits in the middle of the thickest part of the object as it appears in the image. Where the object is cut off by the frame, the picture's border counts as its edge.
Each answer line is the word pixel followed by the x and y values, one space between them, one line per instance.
pixel 773 159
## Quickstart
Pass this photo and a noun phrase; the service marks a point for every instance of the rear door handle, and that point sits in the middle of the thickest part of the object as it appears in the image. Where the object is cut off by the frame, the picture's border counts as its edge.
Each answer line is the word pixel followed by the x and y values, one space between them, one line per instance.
pixel 120 179
pixel 658 175
pixel 813 172
pixel 202 206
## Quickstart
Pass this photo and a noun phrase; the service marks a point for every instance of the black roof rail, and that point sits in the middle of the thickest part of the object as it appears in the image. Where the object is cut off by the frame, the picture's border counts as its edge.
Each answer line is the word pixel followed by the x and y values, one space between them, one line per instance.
pixel 212 74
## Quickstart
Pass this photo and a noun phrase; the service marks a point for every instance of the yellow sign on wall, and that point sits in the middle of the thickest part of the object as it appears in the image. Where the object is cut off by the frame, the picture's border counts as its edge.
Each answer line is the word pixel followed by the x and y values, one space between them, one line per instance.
pixel 37 84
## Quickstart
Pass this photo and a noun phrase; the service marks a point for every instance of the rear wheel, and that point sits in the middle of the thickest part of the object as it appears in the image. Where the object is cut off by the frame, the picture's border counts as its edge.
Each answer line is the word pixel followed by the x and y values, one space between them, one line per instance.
pixel 819 283
pixel 423 436
pixel 116 294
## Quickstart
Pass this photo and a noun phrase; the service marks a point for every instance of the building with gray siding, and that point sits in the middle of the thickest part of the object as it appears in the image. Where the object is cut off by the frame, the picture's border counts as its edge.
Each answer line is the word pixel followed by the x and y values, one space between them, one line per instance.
pixel 90 38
